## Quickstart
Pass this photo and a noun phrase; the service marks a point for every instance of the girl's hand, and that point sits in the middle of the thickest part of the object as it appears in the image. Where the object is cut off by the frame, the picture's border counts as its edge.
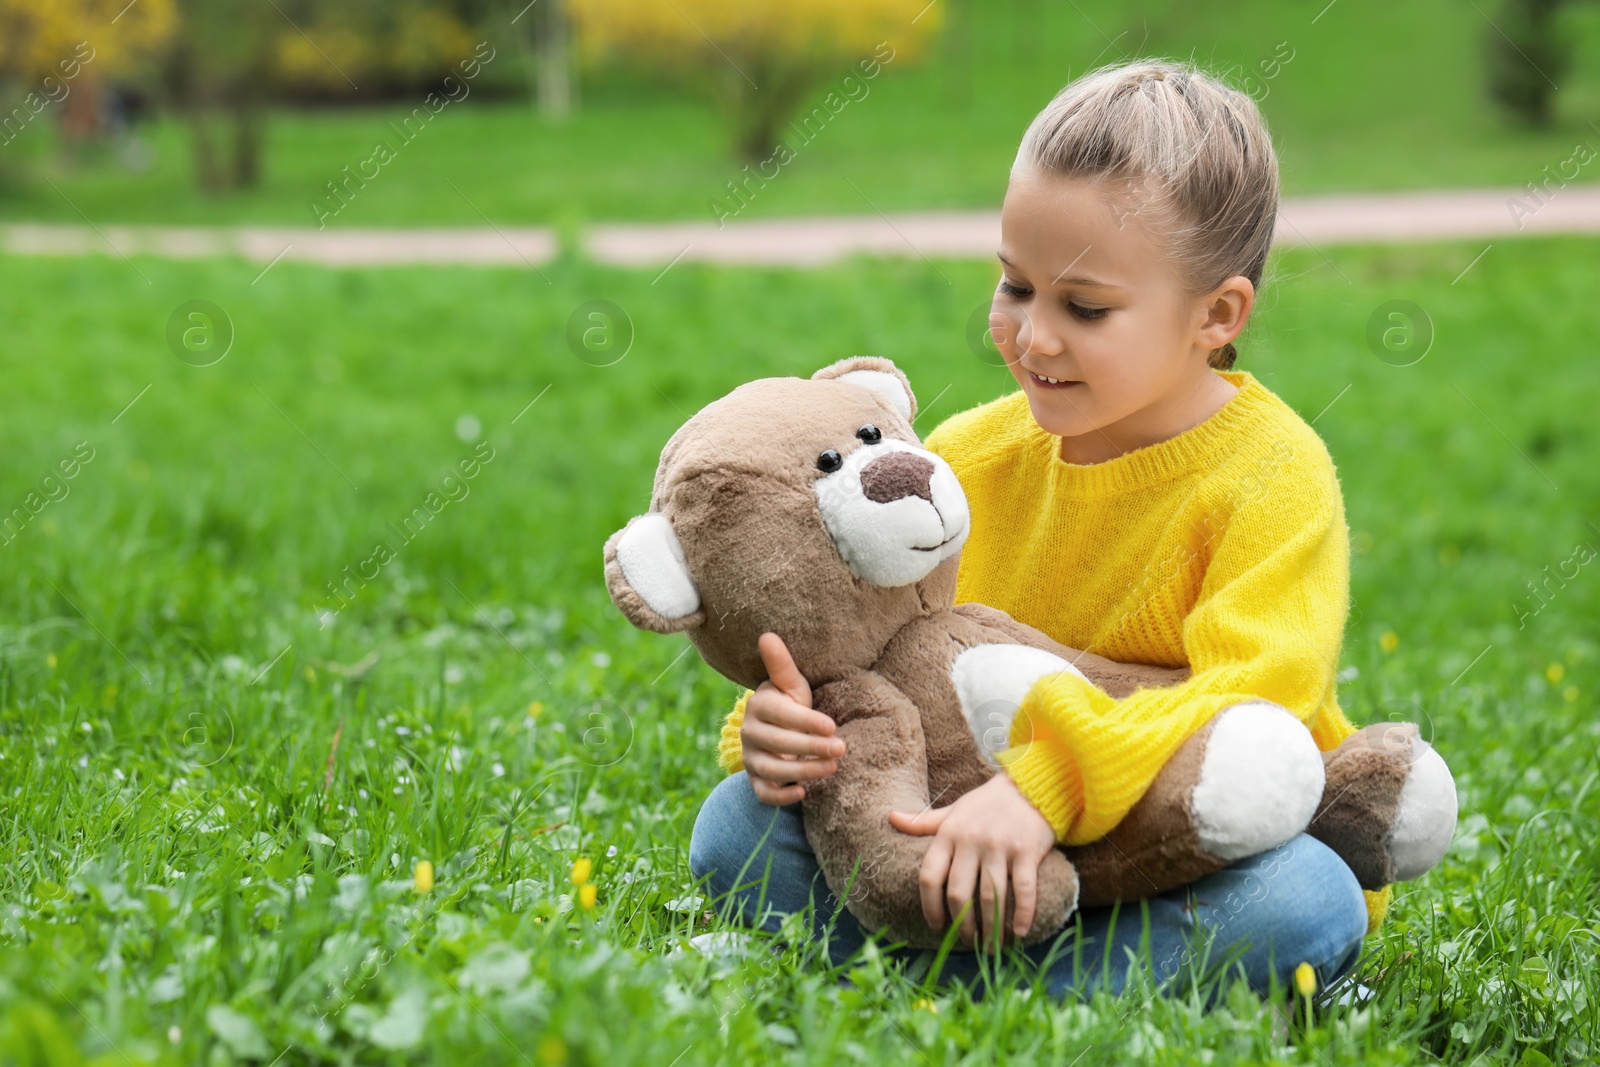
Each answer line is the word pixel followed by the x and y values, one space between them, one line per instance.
pixel 993 833
pixel 783 741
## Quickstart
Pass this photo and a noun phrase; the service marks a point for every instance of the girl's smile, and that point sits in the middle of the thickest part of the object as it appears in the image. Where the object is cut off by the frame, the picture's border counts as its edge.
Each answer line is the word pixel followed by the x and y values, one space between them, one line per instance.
pixel 1050 383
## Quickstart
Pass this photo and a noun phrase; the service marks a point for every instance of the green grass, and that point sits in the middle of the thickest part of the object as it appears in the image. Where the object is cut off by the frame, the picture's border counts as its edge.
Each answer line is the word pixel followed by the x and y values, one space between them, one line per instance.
pixel 940 134
pixel 194 873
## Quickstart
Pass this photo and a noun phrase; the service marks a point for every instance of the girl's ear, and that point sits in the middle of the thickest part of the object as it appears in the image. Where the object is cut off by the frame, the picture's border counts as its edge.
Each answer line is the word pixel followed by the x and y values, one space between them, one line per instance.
pixel 878 374
pixel 648 577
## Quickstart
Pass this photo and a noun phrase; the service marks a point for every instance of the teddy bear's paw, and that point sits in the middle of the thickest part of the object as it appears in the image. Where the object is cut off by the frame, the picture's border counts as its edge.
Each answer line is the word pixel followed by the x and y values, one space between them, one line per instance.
pixel 1425 819
pixel 991 681
pixel 1260 781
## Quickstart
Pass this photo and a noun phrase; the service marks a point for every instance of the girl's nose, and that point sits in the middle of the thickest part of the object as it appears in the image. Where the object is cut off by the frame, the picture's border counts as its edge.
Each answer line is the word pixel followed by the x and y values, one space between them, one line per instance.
pixel 1034 338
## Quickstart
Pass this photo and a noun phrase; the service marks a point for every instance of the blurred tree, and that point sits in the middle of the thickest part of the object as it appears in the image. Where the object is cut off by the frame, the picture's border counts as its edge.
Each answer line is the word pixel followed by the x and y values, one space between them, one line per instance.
pixel 376 45
pixel 544 35
pixel 1526 53
pixel 229 57
pixel 216 76
pixel 758 60
pixel 37 35
pixel 60 54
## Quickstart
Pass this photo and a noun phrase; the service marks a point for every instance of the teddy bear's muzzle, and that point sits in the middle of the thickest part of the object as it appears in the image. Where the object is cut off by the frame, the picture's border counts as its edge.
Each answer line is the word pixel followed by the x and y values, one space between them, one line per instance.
pixel 894 511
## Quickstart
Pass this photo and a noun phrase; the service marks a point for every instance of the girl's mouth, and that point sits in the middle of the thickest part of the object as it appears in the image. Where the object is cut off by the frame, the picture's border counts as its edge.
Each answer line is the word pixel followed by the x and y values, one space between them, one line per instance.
pixel 1051 383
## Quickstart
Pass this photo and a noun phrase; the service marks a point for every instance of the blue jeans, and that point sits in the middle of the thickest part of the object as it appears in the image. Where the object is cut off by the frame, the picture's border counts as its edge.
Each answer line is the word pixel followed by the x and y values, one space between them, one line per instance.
pixel 1263 916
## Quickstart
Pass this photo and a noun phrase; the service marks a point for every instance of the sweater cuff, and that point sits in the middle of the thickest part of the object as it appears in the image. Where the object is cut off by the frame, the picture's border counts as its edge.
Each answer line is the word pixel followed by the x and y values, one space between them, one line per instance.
pixel 730 754
pixel 1045 772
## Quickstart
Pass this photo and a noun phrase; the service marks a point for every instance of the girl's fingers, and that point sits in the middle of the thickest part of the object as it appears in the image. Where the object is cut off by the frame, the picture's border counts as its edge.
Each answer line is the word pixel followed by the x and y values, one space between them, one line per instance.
pixel 1025 886
pixel 959 891
pixel 757 734
pixel 769 705
pixel 930 882
pixel 781 669
pixel 775 795
pixel 787 771
pixel 920 823
pixel 992 899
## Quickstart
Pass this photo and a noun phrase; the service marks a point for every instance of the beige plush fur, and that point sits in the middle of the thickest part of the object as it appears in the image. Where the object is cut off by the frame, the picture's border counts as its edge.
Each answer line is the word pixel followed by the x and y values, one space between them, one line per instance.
pixel 738 543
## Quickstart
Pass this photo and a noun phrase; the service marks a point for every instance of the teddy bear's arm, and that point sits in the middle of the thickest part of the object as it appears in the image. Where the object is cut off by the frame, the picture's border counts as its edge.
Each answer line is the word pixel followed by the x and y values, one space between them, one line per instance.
pixel 885 769
pixel 1117 679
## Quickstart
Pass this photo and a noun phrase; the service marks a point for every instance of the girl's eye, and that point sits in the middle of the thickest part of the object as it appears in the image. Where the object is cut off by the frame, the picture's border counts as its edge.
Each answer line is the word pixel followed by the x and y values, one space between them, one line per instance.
pixel 1088 314
pixel 1013 290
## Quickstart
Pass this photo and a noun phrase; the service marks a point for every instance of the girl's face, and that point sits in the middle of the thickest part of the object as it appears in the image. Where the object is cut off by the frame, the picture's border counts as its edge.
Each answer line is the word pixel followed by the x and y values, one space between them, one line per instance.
pixel 1086 297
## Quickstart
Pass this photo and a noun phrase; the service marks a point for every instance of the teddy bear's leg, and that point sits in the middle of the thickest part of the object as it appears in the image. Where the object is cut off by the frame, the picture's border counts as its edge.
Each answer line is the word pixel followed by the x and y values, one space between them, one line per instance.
pixel 885 769
pixel 1247 781
pixel 1389 807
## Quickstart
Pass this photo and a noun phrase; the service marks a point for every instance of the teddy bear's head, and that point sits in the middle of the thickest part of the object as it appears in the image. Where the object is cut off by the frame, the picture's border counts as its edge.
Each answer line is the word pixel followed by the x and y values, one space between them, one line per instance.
pixel 807 507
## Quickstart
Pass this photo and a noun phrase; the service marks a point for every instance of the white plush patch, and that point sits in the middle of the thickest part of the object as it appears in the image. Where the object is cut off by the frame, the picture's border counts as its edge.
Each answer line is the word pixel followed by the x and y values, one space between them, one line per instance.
pixel 892 389
pixel 991 681
pixel 651 558
pixel 901 541
pixel 1260 782
pixel 1426 819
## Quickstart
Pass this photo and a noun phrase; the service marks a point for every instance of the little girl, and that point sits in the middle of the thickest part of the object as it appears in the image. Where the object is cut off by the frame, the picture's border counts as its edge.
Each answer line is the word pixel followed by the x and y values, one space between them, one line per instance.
pixel 1136 498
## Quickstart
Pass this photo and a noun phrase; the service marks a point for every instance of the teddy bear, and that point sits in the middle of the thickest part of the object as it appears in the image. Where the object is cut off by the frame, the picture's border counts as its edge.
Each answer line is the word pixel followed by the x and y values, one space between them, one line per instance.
pixel 808 508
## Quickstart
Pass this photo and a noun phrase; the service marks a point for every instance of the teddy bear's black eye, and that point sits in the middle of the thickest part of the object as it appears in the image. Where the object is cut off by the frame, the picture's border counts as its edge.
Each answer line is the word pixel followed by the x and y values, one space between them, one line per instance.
pixel 870 434
pixel 829 461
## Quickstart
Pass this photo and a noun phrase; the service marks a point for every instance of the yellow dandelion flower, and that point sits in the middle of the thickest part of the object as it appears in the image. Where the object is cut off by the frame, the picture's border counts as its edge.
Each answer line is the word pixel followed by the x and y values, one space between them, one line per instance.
pixel 581 870
pixel 1555 672
pixel 586 894
pixel 424 876
pixel 1305 980
pixel 925 1003
pixel 534 709
pixel 50 661
pixel 552 1050
pixel 1389 641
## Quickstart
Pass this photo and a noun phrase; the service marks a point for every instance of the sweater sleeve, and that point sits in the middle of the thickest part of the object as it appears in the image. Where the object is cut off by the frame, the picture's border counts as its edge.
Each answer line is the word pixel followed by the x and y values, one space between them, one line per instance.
pixel 1267 624
pixel 730 755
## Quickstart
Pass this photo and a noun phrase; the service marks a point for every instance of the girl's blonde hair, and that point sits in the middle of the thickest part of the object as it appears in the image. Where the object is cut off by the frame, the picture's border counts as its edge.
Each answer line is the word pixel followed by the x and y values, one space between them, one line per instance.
pixel 1193 155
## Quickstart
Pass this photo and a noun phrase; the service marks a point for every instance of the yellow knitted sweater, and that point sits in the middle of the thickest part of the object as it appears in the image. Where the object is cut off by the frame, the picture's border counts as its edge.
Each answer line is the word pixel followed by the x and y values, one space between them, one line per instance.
pixel 1223 548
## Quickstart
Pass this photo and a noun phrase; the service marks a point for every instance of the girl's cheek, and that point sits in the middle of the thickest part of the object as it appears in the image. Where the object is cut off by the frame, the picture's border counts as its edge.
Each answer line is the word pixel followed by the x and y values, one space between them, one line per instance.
pixel 1001 330
pixel 1011 337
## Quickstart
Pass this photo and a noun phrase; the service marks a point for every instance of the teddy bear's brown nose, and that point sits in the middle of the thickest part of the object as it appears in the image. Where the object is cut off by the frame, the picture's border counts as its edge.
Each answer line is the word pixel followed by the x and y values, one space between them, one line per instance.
pixel 897 475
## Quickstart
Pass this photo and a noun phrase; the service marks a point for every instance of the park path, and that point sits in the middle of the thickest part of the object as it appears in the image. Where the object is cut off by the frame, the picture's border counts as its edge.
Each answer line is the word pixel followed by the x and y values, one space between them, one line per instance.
pixel 1309 220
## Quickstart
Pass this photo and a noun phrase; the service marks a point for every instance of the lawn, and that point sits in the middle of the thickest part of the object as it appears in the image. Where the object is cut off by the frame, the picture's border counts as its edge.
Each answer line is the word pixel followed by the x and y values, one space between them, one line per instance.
pixel 936 134
pixel 231 727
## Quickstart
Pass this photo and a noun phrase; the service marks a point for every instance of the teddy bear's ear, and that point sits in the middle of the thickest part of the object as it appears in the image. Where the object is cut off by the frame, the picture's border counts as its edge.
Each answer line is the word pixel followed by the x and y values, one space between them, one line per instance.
pixel 879 375
pixel 648 577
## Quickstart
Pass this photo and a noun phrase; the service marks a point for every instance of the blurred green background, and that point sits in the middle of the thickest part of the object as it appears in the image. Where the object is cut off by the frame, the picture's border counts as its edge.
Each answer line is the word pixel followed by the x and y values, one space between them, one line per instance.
pixel 228 739
pixel 1368 96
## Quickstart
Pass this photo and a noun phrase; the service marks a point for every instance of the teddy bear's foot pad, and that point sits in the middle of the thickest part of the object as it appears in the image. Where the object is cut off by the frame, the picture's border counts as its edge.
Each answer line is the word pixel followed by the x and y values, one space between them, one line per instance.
pixel 1426 819
pixel 1260 782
